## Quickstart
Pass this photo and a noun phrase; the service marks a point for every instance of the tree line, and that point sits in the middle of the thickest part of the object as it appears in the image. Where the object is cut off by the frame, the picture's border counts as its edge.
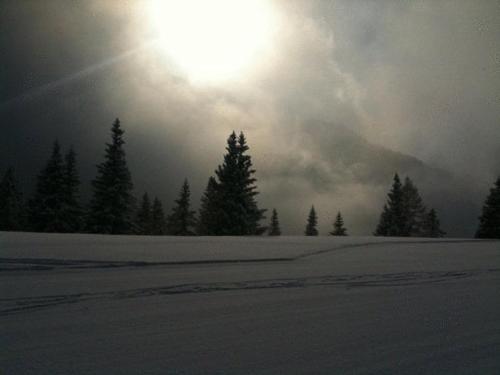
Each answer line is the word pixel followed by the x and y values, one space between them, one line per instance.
pixel 228 205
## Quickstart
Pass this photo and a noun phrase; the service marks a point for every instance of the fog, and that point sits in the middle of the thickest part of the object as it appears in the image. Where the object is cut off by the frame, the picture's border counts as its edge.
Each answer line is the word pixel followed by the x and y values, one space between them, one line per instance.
pixel 346 94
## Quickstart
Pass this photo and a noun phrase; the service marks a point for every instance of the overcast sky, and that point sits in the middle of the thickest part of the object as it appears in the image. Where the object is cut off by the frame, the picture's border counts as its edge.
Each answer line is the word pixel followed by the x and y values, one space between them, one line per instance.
pixel 346 94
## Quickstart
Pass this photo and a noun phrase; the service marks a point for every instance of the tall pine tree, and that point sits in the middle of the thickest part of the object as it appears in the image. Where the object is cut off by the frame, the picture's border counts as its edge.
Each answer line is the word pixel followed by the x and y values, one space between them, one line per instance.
pixel 338 226
pixel 489 221
pixel 415 213
pixel 392 220
pixel 112 205
pixel 274 226
pixel 11 203
pixel 46 209
pixel 208 217
pixel 181 221
pixel 312 223
pixel 144 220
pixel 158 222
pixel 238 212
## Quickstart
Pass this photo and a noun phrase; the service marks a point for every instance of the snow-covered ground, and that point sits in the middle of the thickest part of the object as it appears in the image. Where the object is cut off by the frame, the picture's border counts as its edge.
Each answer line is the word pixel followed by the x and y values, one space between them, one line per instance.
pixel 288 305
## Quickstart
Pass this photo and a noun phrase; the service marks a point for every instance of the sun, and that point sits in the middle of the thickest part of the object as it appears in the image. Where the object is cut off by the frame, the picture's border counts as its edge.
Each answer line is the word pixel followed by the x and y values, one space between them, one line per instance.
pixel 213 40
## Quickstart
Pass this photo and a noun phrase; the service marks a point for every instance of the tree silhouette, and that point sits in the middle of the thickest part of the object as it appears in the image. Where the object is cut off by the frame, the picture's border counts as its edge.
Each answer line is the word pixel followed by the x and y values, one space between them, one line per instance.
pixel 181 221
pixel 158 222
pixel 237 211
pixel 312 223
pixel 489 221
pixel 392 220
pixel 274 226
pixel 432 226
pixel 112 204
pixel 143 220
pixel 414 212
pixel 11 203
pixel 46 209
pixel 72 211
pixel 209 210
pixel 338 226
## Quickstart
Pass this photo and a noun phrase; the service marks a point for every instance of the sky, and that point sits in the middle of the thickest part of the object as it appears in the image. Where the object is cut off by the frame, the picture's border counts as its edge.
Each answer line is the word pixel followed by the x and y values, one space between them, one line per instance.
pixel 334 98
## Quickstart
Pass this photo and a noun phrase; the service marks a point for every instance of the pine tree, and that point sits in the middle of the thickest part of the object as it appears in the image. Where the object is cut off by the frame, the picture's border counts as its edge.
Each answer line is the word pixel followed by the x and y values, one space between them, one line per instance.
pixel 384 222
pixel 47 206
pixel 181 221
pixel 158 222
pixel 312 223
pixel 489 221
pixel 432 226
pixel 11 203
pixel 238 213
pixel 414 210
pixel 72 211
pixel 144 216
pixel 338 226
pixel 209 210
pixel 392 220
pixel 274 226
pixel 112 204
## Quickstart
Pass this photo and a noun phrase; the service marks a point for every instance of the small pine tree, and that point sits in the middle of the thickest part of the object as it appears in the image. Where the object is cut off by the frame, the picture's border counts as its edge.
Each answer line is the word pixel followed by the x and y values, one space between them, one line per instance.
pixel 182 220
pixel 489 221
pixel 112 205
pixel 143 220
pixel 11 203
pixel 338 226
pixel 158 222
pixel 209 210
pixel 72 211
pixel 432 226
pixel 312 223
pixel 47 206
pixel 274 226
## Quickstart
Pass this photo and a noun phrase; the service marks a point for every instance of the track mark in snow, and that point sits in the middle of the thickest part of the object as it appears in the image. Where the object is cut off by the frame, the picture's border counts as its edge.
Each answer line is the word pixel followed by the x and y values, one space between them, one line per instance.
pixel 18 305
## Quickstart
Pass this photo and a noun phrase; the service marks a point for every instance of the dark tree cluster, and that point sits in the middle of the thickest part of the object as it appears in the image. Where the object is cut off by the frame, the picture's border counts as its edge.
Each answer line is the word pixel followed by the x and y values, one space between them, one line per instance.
pixel 405 215
pixel 489 221
pixel 228 205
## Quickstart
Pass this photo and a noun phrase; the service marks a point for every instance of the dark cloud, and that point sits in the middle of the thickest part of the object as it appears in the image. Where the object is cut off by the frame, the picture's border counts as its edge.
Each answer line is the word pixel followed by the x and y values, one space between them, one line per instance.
pixel 350 93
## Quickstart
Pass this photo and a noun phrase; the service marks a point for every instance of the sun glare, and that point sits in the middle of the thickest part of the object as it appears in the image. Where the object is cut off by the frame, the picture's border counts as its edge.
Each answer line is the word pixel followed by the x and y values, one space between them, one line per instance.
pixel 213 40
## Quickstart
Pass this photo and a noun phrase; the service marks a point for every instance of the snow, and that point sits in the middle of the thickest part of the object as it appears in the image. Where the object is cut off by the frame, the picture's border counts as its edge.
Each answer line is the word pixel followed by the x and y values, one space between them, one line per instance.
pixel 201 305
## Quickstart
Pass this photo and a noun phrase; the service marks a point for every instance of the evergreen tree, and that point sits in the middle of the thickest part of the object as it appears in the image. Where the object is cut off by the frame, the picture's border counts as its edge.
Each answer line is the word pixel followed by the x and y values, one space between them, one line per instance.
pixel 414 210
pixel 47 206
pixel 312 223
pixel 238 213
pixel 158 222
pixel 392 220
pixel 112 204
pixel 432 226
pixel 11 203
pixel 384 222
pixel 72 211
pixel 208 217
pixel 489 221
pixel 338 226
pixel 182 220
pixel 274 227
pixel 144 216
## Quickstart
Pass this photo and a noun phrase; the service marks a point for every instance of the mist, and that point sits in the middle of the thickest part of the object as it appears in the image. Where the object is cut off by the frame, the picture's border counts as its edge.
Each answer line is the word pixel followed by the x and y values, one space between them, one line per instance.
pixel 349 94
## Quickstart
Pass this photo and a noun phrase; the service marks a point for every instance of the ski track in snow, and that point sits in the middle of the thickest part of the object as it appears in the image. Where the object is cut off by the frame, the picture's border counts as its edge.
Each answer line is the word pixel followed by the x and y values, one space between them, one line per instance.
pixel 20 305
